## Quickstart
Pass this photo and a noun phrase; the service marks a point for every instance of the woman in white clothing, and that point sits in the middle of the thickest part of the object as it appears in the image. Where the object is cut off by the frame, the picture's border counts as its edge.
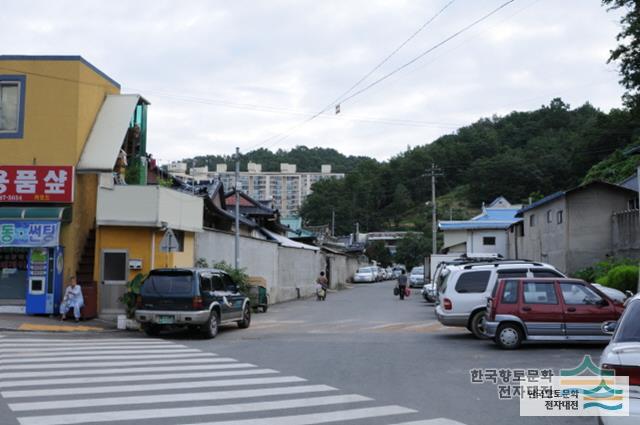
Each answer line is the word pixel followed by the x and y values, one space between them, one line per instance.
pixel 72 299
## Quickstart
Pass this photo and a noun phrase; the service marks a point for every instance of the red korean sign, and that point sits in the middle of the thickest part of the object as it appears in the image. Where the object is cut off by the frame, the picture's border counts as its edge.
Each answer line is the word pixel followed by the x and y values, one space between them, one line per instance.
pixel 36 183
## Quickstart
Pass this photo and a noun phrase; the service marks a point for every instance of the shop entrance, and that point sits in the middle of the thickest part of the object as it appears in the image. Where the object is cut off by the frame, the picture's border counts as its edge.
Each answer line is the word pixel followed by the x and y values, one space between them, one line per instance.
pixel 13 275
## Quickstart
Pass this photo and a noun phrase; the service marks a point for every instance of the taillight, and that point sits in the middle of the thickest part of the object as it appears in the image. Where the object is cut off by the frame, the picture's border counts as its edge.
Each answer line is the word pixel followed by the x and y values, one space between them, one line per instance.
pixel 447 304
pixel 138 301
pixel 490 308
pixel 197 303
pixel 633 372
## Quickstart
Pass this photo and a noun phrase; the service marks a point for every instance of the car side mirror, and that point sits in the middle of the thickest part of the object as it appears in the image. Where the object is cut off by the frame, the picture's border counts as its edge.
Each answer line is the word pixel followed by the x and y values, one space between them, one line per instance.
pixel 602 302
pixel 609 327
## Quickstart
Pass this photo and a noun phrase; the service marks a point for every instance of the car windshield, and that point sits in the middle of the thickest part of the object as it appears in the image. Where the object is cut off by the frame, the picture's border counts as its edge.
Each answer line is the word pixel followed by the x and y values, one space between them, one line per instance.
pixel 417 270
pixel 168 283
pixel 365 270
pixel 629 330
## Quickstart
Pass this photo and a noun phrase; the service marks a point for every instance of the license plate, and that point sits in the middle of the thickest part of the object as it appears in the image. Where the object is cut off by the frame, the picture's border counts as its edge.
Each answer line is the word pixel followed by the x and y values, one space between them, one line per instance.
pixel 166 320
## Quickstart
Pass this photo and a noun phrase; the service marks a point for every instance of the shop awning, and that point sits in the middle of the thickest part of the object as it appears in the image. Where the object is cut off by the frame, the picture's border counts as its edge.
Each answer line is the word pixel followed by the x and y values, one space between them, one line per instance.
pixel 104 143
pixel 36 213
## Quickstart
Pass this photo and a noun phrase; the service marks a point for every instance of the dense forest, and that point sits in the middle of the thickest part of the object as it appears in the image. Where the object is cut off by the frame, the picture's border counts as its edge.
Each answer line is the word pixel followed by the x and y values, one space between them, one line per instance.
pixel 521 155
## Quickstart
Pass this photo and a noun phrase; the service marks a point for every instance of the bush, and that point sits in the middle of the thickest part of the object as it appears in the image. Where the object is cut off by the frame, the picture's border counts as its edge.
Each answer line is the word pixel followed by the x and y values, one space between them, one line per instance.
pixel 239 276
pixel 623 278
pixel 599 271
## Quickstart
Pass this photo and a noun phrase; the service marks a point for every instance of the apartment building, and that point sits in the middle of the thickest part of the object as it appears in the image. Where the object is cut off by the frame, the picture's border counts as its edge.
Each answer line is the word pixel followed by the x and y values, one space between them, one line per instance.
pixel 287 188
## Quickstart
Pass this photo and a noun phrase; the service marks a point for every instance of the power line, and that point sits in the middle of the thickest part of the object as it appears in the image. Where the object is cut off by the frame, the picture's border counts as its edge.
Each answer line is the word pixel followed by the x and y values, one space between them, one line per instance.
pixel 282 136
pixel 431 49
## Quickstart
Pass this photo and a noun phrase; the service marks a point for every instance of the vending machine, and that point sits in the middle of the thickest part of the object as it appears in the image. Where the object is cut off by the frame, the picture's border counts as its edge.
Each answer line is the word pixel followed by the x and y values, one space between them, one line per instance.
pixel 44 280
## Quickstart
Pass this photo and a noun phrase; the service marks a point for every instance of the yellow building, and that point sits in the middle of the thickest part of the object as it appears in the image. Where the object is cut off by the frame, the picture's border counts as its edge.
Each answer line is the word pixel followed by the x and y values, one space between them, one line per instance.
pixel 64 126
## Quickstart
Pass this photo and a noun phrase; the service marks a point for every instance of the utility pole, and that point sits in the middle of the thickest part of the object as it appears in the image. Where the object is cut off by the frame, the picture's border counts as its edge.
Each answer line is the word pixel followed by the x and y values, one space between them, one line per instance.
pixel 333 222
pixel 433 173
pixel 237 256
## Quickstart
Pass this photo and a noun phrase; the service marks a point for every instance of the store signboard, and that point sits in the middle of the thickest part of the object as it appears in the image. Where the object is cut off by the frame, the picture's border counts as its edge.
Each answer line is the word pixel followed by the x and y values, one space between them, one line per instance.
pixel 27 234
pixel 36 183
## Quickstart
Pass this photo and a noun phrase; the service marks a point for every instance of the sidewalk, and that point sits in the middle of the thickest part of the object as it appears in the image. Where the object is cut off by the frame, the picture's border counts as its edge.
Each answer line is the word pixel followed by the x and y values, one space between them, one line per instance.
pixel 22 323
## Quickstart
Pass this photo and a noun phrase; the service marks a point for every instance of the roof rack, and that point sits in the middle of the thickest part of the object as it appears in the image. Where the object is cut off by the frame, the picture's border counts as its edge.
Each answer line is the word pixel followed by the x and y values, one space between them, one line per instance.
pixel 497 263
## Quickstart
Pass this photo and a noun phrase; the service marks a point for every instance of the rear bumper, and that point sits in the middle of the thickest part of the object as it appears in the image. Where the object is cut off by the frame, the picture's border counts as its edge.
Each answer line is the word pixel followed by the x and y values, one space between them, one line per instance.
pixel 197 317
pixel 451 319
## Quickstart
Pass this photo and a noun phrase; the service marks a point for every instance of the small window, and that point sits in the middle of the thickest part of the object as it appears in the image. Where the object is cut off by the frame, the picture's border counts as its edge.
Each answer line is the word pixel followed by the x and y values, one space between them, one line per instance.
pixel 115 267
pixel 559 217
pixel 489 240
pixel 205 283
pixel 473 282
pixel 545 273
pixel 508 273
pixel 520 229
pixel 510 292
pixel 12 106
pixel 217 283
pixel 540 293
pixel 549 216
pixel 532 220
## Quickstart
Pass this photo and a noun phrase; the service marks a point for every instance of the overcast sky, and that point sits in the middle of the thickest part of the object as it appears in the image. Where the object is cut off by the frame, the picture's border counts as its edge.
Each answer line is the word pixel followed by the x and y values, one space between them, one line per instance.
pixel 221 74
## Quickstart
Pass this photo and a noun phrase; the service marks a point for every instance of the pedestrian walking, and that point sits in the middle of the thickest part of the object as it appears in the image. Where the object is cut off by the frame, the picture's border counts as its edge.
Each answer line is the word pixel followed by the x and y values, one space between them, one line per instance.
pixel 72 299
pixel 322 284
pixel 402 284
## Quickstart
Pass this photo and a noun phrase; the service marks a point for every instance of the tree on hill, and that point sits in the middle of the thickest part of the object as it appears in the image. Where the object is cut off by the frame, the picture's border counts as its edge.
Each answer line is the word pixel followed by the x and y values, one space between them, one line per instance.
pixel 378 251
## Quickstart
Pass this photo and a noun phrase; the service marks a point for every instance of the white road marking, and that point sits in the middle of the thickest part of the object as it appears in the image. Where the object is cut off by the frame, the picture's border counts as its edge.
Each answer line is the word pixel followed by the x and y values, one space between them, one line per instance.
pixel 319 418
pixel 87 358
pixel 201 359
pixel 71 352
pixel 74 339
pixel 151 387
pixel 146 377
pixel 120 370
pixel 437 421
pixel 130 415
pixel 167 398
pixel 80 347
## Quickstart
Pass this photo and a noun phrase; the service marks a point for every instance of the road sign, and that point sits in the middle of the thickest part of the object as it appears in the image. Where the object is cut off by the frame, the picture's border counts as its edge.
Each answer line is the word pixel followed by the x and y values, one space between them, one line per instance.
pixel 169 242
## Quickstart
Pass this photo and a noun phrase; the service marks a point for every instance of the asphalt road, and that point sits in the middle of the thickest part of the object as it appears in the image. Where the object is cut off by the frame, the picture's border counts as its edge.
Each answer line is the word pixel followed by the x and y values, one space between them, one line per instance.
pixel 384 361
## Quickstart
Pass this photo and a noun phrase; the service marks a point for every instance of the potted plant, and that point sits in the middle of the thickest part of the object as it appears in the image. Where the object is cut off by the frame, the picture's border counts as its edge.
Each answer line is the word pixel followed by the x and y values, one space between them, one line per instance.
pixel 129 299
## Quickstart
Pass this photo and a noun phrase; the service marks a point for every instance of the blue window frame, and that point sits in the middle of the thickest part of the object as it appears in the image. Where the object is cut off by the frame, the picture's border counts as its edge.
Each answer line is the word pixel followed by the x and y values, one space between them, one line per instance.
pixel 12 100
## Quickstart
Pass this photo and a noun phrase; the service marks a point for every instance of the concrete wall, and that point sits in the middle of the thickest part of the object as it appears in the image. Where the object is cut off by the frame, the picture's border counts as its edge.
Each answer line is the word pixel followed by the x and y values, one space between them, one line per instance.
pixel 546 240
pixel 475 243
pixel 284 269
pixel 589 225
pixel 341 268
pixel 626 234
pixel 452 238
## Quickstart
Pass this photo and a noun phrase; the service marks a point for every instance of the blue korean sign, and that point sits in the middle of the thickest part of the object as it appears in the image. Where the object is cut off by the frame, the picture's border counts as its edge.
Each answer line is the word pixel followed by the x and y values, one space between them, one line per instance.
pixel 29 233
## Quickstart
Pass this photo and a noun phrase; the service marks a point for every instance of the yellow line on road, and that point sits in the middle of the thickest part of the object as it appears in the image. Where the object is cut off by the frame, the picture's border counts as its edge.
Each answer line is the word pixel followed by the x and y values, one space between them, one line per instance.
pixel 57 328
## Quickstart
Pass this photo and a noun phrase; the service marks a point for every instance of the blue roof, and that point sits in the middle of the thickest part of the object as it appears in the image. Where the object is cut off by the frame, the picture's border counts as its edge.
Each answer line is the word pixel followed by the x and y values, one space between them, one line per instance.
pixel 491 218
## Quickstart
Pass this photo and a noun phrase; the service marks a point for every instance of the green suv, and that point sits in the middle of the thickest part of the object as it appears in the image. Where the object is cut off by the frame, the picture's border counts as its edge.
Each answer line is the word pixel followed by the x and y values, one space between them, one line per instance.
pixel 197 298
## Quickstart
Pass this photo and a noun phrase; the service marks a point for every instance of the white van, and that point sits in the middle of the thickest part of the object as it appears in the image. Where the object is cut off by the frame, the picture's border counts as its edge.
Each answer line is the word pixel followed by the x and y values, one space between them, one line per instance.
pixel 463 289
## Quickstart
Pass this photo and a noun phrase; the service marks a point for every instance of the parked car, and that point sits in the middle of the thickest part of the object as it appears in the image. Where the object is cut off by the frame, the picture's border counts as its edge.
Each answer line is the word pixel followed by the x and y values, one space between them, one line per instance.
pixel 196 298
pixel 463 289
pixel 614 294
pixel 397 271
pixel 429 292
pixel 550 309
pixel 365 274
pixel 416 278
pixel 389 273
pixel 622 355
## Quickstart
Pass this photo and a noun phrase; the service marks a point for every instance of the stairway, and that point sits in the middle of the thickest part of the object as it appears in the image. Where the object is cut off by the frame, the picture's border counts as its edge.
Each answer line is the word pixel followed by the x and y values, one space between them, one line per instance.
pixel 86 278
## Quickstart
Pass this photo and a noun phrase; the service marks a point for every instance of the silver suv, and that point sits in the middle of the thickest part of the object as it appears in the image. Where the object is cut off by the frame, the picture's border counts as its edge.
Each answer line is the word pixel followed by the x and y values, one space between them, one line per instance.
pixel 463 289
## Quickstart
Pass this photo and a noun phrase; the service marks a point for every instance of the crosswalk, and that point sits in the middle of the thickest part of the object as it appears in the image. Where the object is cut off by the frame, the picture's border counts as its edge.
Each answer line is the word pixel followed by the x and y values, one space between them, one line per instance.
pixel 64 381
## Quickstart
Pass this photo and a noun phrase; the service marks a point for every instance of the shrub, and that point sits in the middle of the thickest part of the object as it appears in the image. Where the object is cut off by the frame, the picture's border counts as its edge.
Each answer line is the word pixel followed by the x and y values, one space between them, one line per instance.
pixel 600 270
pixel 239 276
pixel 623 278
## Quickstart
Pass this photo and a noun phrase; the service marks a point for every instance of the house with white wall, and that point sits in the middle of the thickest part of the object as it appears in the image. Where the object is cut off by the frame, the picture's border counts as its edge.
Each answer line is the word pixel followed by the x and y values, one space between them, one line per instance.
pixel 485 233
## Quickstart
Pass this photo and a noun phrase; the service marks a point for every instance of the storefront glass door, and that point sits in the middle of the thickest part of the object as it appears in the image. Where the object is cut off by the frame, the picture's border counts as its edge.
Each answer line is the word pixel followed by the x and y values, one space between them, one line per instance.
pixel 13 273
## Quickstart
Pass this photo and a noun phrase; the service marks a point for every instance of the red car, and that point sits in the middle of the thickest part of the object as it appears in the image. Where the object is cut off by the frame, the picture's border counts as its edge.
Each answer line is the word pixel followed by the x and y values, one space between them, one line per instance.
pixel 552 309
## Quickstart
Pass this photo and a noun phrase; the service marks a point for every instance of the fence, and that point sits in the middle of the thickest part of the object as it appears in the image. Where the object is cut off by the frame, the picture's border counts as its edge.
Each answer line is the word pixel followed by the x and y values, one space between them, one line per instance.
pixel 626 234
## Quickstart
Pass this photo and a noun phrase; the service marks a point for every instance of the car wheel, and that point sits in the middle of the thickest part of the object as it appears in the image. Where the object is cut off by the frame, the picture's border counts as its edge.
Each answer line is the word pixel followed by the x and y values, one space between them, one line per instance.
pixel 477 324
pixel 210 328
pixel 151 330
pixel 246 318
pixel 509 336
pixel 265 308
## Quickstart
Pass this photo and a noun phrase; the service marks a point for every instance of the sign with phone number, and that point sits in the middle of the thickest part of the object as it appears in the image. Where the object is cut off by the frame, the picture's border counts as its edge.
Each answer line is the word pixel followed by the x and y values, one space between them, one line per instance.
pixel 36 183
